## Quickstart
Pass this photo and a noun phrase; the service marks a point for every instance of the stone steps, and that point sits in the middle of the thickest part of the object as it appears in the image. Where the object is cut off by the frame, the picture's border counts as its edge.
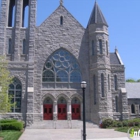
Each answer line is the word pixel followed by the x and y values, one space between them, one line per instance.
pixel 61 124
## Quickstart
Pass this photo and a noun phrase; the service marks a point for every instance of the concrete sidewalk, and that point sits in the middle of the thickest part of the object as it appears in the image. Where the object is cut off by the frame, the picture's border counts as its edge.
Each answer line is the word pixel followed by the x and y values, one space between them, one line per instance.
pixel 72 134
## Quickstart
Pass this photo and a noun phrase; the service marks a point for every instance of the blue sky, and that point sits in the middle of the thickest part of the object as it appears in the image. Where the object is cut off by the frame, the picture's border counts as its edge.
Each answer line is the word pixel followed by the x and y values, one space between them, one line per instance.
pixel 123 18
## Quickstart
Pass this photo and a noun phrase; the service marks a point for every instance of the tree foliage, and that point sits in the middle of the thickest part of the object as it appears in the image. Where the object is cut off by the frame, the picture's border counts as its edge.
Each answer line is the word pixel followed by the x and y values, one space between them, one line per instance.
pixel 130 80
pixel 5 80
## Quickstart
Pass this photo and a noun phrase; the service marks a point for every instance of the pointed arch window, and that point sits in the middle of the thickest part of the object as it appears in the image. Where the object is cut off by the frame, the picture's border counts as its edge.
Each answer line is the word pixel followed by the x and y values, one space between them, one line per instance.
pixel 106 48
pixel 10 46
pixel 116 103
pixel 15 91
pixel 93 47
pixel 115 82
pixel 94 87
pixel 61 20
pixel 11 15
pixel 133 108
pixel 100 46
pixel 61 67
pixel 102 85
pixel 25 13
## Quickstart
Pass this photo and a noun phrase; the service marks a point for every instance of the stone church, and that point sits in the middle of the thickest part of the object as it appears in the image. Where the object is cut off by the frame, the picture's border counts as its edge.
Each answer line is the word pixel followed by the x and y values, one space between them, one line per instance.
pixel 48 63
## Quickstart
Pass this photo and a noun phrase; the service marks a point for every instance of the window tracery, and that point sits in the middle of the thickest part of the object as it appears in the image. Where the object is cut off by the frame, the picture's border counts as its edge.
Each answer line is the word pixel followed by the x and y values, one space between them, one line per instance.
pixel 61 67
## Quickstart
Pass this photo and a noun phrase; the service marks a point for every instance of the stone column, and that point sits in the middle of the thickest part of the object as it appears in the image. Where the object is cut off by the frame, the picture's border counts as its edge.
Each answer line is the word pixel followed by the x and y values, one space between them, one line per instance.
pixel 55 110
pixel 69 110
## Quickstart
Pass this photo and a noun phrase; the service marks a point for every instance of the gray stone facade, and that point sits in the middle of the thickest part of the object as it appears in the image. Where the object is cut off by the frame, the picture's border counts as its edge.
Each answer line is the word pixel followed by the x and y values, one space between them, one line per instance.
pixel 42 42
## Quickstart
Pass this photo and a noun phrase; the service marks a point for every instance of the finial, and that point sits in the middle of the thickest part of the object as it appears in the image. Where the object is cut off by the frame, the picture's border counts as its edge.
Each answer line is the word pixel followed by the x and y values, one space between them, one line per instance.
pixel 61 2
pixel 116 50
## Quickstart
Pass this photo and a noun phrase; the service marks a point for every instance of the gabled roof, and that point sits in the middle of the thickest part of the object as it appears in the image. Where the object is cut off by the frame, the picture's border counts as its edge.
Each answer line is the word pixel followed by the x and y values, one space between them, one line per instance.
pixel 133 90
pixel 97 16
pixel 114 59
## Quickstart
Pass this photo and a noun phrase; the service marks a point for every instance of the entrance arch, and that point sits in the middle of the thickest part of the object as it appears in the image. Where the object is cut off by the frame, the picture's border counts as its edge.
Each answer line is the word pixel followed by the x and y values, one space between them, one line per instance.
pixel 62 108
pixel 48 109
pixel 76 109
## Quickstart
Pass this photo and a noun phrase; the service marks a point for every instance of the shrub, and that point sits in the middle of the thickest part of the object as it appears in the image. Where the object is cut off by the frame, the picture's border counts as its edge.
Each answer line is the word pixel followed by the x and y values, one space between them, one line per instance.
pixel 117 123
pixel 131 123
pixel 125 123
pixel 136 121
pixel 107 123
pixel 12 126
pixel 7 120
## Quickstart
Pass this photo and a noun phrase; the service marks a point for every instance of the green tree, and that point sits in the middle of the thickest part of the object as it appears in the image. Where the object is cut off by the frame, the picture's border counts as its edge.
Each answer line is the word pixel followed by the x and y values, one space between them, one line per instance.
pixel 5 80
pixel 138 80
pixel 130 80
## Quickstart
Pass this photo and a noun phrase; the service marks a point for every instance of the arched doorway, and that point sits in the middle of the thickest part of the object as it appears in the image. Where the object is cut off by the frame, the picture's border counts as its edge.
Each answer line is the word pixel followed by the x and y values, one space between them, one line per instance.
pixel 76 113
pixel 62 109
pixel 48 109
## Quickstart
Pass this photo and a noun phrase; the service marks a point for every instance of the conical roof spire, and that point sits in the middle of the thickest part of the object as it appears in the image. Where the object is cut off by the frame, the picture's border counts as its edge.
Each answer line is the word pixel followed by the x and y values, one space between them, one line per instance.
pixel 97 16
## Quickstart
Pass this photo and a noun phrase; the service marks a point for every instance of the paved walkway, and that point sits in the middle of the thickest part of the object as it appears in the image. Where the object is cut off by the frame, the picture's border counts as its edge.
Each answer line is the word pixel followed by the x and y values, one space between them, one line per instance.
pixel 72 134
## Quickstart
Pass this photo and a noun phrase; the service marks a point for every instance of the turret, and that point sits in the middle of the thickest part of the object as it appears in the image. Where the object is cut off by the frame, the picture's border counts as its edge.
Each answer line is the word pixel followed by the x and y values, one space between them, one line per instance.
pixel 100 72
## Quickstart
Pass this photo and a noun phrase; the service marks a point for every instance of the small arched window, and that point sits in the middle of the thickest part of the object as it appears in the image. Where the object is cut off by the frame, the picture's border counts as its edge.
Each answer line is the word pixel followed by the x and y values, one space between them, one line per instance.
pixel 24 47
pixel 10 46
pixel 93 47
pixel 116 103
pixel 100 46
pixel 106 47
pixel 61 20
pixel 94 87
pixel 115 82
pixel 133 108
pixel 102 85
pixel 15 91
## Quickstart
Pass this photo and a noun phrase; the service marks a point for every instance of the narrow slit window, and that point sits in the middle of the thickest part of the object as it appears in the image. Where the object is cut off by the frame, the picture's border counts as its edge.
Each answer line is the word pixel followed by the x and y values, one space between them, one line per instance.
pixel 10 46
pixel 93 47
pixel 11 15
pixel 94 86
pixel 102 85
pixel 115 82
pixel 108 82
pixel 116 103
pixel 24 47
pixel 106 47
pixel 61 20
pixel 100 45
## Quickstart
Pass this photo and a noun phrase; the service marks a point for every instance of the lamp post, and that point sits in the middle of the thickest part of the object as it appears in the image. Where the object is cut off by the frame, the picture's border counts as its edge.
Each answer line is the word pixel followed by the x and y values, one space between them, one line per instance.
pixel 83 86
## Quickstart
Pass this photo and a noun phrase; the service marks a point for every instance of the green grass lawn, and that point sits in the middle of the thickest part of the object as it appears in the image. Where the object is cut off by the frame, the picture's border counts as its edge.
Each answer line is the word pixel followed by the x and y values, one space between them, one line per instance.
pixel 10 135
pixel 125 129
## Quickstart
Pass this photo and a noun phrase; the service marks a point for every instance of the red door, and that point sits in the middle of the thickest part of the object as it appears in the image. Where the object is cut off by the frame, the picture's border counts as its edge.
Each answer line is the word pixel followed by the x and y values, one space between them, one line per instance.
pixel 48 112
pixel 76 115
pixel 62 112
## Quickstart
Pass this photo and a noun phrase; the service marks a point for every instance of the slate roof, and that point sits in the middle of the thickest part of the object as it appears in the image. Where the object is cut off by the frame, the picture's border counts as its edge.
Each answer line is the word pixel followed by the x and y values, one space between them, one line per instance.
pixel 97 16
pixel 114 59
pixel 133 90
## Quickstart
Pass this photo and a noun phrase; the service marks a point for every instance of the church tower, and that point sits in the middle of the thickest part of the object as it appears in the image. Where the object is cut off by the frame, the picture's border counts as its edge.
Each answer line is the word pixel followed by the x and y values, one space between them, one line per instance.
pixel 17 26
pixel 17 43
pixel 100 71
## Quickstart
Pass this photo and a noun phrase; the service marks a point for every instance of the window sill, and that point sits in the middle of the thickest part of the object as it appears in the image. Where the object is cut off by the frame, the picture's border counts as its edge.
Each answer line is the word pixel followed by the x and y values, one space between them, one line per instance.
pixel 22 54
pixel 8 54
